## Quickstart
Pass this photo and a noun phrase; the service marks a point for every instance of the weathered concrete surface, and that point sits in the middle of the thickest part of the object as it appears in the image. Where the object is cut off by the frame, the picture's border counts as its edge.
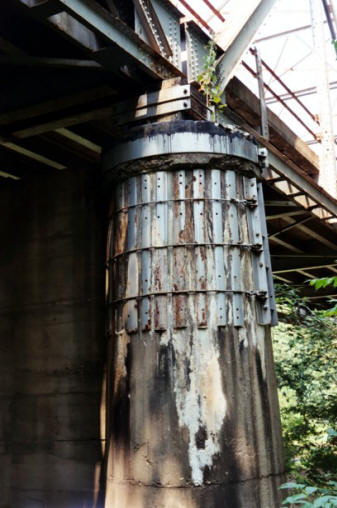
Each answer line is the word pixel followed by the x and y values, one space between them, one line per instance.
pixel 195 417
pixel 52 344
pixel 163 456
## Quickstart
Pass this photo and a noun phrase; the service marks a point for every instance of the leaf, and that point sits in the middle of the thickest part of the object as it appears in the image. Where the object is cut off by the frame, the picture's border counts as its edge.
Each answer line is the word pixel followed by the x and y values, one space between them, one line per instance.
pixel 321 501
pixel 311 490
pixel 292 485
pixel 295 498
pixel 331 312
pixel 323 282
pixel 320 283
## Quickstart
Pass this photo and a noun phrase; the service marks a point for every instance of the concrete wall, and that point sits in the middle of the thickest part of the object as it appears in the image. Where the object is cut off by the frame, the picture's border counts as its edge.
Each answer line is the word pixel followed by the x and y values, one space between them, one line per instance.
pixel 52 344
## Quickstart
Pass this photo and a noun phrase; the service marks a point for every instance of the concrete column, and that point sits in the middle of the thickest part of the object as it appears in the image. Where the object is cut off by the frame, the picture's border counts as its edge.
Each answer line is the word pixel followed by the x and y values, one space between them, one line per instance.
pixel 194 410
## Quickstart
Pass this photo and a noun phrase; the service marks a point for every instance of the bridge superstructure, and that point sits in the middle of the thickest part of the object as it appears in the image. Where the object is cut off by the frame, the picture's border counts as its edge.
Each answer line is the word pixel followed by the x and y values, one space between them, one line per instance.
pixel 125 65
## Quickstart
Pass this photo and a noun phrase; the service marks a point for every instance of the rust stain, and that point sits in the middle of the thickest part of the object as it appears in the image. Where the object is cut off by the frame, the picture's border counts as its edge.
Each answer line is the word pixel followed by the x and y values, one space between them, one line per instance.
pixel 121 233
pixel 179 311
pixel 157 277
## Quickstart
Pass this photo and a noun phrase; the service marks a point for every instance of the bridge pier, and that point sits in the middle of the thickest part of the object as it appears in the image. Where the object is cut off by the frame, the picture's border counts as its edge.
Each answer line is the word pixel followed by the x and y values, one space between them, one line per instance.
pixel 193 400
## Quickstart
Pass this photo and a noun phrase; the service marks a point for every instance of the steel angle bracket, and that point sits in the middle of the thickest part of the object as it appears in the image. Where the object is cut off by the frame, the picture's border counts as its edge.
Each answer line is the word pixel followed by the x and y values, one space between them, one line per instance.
pixel 267 303
pixel 264 161
pixel 271 291
pixel 179 98
pixel 260 255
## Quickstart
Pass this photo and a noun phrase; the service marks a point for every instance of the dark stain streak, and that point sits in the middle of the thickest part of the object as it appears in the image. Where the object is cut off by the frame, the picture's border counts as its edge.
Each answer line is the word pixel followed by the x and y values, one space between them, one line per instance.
pixel 188 370
pixel 201 437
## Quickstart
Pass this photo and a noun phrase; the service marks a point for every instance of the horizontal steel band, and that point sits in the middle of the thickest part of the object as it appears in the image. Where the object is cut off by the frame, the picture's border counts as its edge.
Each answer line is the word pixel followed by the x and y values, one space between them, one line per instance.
pixel 235 201
pixel 192 310
pixel 165 270
pixel 191 292
pixel 244 246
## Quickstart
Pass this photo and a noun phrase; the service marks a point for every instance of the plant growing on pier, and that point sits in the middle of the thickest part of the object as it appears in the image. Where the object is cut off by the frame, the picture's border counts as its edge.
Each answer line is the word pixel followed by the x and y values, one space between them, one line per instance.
pixel 208 79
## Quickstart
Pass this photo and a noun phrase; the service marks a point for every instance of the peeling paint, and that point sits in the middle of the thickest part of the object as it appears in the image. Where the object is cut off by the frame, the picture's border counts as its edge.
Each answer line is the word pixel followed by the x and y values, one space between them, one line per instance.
pixel 203 405
pixel 121 355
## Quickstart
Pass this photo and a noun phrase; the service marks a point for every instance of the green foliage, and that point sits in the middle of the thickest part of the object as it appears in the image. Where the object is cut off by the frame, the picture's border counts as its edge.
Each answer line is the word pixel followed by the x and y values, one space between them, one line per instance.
pixel 208 79
pixel 323 283
pixel 305 348
pixel 311 496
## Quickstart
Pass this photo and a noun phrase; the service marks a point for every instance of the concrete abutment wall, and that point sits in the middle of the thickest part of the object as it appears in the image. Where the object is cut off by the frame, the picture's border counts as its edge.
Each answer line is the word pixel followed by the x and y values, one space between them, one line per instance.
pixel 52 340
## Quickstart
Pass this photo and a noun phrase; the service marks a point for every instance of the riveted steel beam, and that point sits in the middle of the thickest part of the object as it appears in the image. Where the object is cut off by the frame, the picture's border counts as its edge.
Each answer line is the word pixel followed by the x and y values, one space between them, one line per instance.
pixel 120 35
pixel 93 20
pixel 153 27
